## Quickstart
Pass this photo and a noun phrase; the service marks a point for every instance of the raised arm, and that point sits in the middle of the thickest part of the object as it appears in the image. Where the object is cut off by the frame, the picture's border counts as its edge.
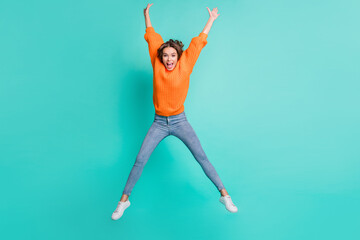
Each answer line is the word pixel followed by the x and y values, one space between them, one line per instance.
pixel 213 15
pixel 192 53
pixel 153 38
pixel 147 16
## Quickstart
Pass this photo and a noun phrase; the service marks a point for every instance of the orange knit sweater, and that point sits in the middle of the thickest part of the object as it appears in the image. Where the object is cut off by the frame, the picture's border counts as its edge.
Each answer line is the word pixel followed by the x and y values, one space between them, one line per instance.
pixel 170 87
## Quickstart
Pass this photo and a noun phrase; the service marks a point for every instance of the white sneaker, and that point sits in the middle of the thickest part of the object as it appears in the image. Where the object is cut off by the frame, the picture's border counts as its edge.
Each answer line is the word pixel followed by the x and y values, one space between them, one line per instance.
pixel 230 206
pixel 120 209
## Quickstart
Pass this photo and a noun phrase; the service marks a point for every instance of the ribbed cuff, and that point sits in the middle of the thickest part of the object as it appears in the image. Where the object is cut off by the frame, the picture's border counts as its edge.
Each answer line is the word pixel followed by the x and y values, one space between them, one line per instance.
pixel 203 35
pixel 150 29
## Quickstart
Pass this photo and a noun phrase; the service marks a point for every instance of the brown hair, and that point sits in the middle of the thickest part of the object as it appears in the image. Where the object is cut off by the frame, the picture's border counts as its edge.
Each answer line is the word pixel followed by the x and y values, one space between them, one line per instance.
pixel 178 45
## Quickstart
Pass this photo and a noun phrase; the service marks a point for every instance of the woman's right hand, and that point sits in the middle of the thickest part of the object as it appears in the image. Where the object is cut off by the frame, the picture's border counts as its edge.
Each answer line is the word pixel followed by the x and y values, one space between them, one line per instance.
pixel 146 10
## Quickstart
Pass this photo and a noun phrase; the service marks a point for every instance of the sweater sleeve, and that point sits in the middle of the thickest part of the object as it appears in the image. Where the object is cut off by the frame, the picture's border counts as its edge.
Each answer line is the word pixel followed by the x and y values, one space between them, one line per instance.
pixel 192 53
pixel 154 42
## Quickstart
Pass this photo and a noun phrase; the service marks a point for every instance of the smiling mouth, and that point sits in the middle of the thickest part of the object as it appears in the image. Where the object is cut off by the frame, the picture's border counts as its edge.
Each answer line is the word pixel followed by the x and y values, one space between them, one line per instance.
pixel 169 65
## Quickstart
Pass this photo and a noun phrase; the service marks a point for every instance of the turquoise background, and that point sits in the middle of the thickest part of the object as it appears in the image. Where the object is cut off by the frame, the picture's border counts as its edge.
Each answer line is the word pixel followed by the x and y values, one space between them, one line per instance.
pixel 273 98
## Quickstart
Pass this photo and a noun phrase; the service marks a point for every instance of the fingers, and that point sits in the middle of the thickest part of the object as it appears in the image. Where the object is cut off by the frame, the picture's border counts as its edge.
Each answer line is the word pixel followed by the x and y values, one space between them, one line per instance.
pixel 148 6
pixel 215 10
pixel 214 13
pixel 146 10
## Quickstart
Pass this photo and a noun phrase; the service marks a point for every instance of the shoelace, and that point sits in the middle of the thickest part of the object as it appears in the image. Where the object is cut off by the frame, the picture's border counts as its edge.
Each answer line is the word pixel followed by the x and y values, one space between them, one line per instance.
pixel 118 206
pixel 230 201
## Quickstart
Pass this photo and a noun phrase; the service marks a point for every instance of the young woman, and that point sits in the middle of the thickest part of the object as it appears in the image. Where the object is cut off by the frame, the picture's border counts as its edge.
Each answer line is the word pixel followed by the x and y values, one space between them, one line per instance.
pixel 171 75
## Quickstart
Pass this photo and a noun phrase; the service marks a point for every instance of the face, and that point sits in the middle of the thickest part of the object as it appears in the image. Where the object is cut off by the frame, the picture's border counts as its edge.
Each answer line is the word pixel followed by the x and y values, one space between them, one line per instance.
pixel 169 58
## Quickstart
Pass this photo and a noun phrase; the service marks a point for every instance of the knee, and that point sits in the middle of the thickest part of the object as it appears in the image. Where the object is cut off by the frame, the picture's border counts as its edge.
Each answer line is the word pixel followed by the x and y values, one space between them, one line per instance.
pixel 140 161
pixel 202 156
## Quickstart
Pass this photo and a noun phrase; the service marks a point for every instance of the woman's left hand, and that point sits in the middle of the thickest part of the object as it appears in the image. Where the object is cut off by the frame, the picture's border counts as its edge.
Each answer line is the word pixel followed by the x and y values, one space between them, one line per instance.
pixel 214 13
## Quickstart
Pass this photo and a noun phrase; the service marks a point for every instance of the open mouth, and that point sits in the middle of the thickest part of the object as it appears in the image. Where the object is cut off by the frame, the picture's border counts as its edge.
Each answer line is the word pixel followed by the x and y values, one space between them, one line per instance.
pixel 169 65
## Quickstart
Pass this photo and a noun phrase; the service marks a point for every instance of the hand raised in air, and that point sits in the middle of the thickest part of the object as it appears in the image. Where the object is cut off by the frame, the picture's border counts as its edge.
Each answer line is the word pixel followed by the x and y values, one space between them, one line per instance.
pixel 214 13
pixel 146 10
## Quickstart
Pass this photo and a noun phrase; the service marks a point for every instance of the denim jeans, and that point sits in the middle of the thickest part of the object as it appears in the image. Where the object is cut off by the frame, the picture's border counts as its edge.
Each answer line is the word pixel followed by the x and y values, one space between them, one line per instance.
pixel 162 127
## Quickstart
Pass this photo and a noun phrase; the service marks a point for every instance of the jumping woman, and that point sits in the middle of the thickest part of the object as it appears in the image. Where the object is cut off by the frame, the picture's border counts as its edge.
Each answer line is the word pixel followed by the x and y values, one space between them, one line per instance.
pixel 171 75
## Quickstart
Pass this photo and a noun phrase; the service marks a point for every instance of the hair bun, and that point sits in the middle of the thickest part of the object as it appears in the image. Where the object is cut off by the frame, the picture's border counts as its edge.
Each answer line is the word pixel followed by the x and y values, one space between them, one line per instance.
pixel 177 42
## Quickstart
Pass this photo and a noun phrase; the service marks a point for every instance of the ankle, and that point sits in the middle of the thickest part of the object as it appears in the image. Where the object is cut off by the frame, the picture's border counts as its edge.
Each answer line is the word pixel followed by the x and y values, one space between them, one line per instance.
pixel 124 198
pixel 223 192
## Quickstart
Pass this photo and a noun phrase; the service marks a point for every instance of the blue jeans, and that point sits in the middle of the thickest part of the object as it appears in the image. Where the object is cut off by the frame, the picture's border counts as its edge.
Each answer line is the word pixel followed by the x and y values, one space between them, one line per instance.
pixel 162 127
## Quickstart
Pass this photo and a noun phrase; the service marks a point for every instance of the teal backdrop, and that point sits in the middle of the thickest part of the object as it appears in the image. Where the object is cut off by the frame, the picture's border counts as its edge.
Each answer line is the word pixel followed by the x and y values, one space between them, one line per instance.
pixel 273 98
